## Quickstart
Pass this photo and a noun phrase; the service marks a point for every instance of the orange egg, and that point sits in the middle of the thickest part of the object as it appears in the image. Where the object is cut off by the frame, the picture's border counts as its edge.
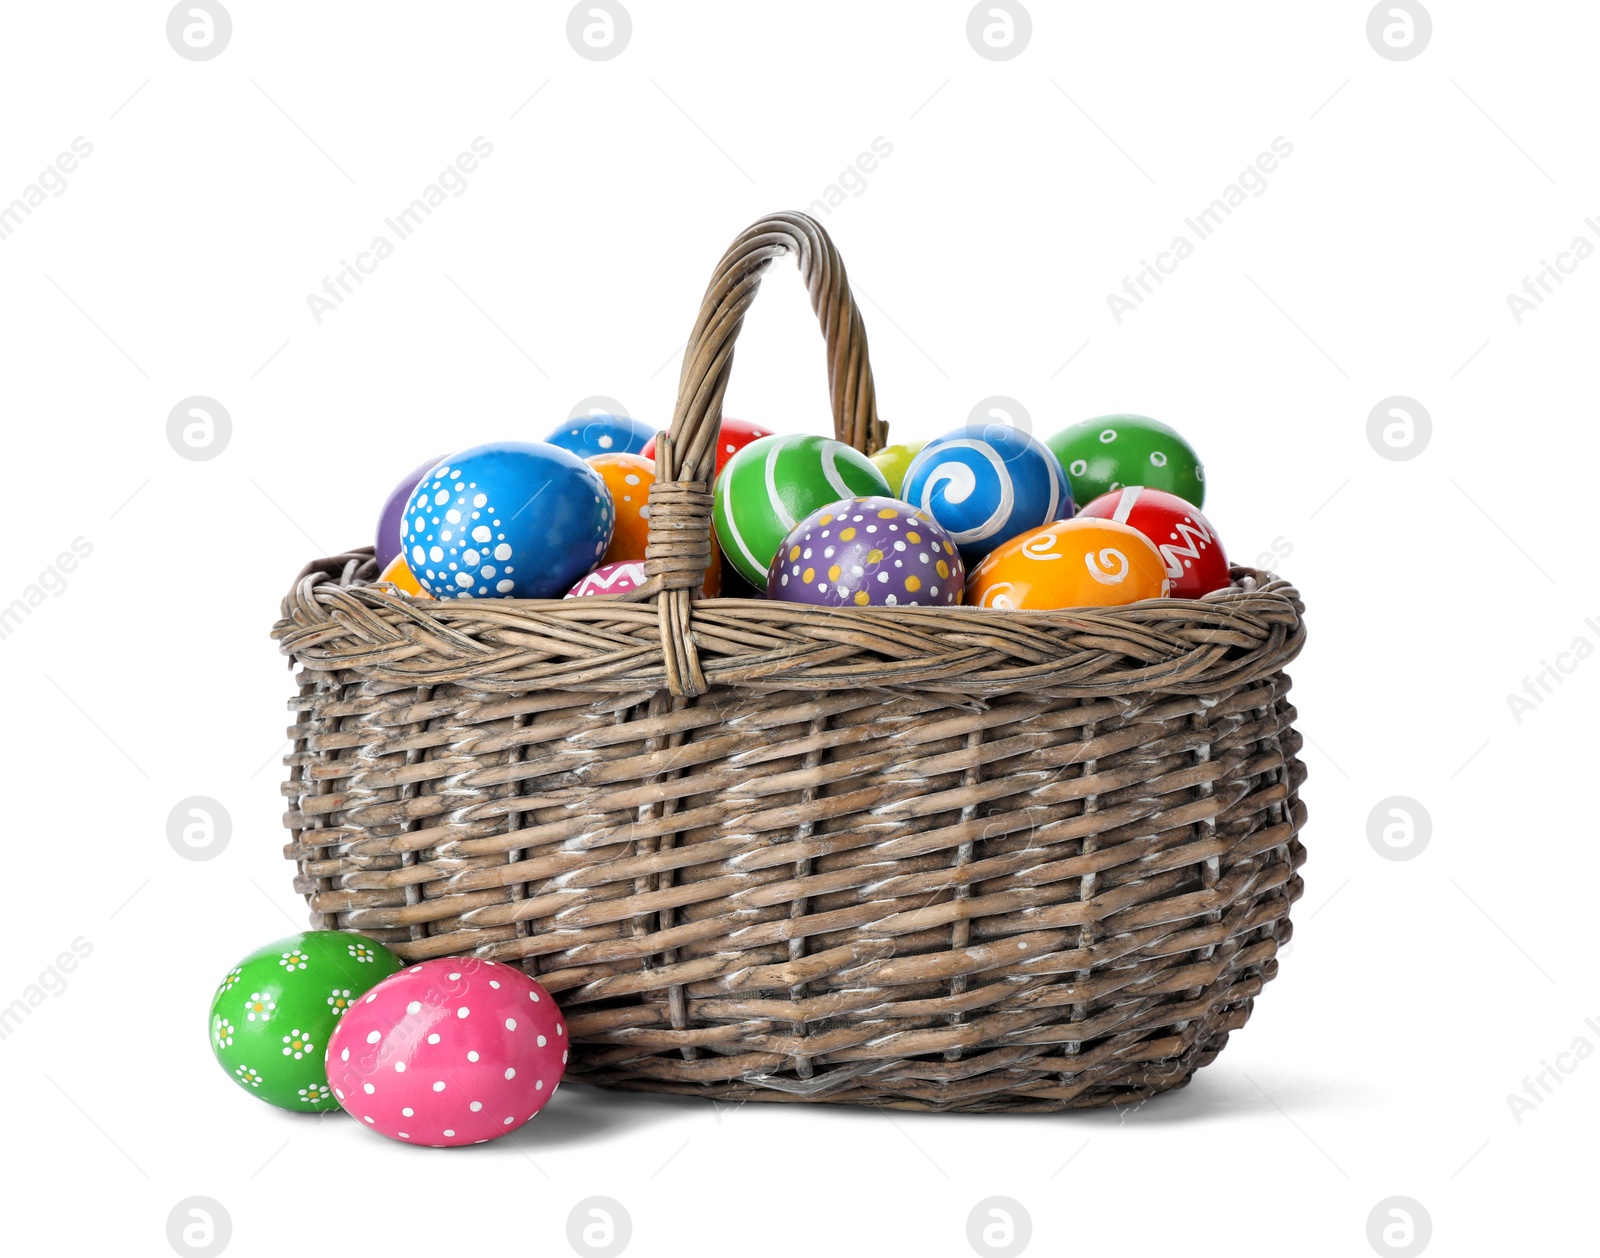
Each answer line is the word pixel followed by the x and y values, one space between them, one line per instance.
pixel 399 573
pixel 628 477
pixel 1073 563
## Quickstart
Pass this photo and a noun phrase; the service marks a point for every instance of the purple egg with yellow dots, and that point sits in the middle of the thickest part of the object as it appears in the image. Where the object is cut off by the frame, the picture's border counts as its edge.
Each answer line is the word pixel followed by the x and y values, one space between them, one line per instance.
pixel 868 552
pixel 513 519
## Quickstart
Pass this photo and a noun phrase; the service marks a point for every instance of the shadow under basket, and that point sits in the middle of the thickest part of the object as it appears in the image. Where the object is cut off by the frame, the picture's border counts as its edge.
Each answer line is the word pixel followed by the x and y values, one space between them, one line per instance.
pixel 921 858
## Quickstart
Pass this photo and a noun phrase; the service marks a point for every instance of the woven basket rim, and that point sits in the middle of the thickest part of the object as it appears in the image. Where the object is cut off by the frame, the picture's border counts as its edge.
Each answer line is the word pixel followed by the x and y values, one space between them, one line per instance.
pixel 338 618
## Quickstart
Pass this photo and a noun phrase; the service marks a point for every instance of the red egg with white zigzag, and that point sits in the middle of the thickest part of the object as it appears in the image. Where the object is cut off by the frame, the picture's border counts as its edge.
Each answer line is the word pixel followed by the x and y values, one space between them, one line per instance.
pixel 1189 546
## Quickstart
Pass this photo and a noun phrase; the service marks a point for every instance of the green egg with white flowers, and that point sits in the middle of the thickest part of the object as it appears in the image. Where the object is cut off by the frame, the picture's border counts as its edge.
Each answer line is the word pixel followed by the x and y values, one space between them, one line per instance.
pixel 273 1013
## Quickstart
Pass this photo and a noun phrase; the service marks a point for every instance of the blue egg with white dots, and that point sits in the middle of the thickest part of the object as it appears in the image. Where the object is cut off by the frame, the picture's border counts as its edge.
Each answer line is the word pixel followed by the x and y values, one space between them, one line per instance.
pixel 512 519
pixel 986 483
pixel 602 433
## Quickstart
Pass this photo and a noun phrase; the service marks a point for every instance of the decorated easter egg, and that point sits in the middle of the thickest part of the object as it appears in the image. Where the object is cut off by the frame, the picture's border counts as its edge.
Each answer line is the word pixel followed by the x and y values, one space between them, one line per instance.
pixel 1183 537
pixel 628 478
pixel 399 573
pixel 275 1012
pixel 627 575
pixel 449 1052
pixel 602 433
pixel 893 461
pixel 388 541
pixel 775 482
pixel 513 519
pixel 733 436
pixel 870 551
pixel 986 483
pixel 1072 563
pixel 611 578
pixel 1116 450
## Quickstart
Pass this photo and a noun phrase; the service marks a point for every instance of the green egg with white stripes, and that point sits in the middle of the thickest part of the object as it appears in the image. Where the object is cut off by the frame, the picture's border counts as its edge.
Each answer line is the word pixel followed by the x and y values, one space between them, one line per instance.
pixel 774 482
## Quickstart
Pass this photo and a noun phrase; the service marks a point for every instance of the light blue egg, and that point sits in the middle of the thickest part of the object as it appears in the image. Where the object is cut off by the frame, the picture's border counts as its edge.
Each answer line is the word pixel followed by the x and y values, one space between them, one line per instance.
pixel 512 519
pixel 600 433
pixel 986 483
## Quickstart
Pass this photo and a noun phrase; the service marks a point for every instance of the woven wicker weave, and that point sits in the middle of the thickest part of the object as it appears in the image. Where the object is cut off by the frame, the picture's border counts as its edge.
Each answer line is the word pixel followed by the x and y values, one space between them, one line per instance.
pixel 949 859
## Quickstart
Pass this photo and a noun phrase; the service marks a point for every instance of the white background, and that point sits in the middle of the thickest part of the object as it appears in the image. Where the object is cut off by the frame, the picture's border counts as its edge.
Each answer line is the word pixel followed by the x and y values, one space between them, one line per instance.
pixel 177 261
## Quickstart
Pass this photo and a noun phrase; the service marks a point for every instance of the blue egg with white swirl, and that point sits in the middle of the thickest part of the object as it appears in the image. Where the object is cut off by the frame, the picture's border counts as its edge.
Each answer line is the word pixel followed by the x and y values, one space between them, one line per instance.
pixel 602 433
pixel 985 483
pixel 512 519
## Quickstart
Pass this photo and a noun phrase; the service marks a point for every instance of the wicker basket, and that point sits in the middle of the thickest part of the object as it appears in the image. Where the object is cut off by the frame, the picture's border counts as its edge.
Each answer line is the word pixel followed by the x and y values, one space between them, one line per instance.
pixel 936 859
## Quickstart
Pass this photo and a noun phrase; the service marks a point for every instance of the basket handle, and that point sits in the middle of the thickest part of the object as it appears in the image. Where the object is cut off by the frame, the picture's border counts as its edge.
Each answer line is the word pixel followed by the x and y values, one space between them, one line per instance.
pixel 679 544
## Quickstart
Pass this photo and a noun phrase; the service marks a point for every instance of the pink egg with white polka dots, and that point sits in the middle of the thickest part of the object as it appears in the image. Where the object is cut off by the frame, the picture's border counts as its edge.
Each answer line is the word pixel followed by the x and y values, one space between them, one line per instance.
pixel 452 1051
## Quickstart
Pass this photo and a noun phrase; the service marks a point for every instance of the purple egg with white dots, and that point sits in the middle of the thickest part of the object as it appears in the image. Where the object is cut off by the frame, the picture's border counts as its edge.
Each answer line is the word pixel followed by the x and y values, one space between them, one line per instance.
pixel 868 552
pixel 512 519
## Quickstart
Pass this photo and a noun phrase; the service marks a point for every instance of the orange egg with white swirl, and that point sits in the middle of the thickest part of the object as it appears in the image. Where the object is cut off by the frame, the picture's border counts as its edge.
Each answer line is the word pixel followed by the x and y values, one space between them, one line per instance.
pixel 1072 563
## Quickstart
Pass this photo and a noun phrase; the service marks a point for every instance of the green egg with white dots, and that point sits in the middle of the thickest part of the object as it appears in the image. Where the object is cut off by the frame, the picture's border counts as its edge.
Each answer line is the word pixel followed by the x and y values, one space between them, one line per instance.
pixel 1116 451
pixel 274 1012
